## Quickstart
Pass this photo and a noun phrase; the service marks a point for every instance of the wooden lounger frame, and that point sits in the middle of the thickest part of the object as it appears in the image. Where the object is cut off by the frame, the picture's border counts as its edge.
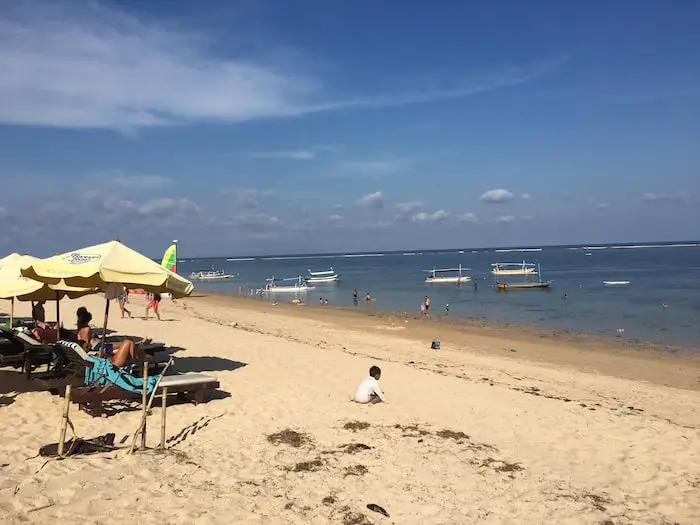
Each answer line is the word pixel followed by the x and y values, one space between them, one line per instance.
pixel 90 398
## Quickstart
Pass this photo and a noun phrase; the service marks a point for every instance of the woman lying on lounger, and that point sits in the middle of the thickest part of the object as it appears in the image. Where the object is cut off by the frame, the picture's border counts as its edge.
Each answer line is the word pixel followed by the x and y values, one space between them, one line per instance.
pixel 118 353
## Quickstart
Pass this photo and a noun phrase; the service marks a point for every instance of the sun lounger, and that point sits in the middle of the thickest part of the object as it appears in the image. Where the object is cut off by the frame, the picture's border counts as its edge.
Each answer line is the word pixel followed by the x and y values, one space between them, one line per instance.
pixel 77 360
pixel 32 352
pixel 11 353
pixel 106 382
pixel 90 398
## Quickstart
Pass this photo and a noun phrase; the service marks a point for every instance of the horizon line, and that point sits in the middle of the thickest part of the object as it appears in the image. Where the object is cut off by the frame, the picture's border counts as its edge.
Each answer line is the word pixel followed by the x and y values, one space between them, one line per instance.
pixel 690 243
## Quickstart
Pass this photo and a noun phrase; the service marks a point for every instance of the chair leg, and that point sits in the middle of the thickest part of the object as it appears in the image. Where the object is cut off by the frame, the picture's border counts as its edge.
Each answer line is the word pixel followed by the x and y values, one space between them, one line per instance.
pixel 198 396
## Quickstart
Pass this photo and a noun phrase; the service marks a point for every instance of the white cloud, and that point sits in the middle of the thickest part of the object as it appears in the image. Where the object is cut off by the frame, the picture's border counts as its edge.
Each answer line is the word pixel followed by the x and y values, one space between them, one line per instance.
pixel 468 218
pixel 89 65
pixel 406 209
pixel 660 197
pixel 526 196
pixel 505 219
pixel 602 206
pixel 373 200
pixel 335 218
pixel 3 212
pixel 373 168
pixel 435 217
pixel 496 196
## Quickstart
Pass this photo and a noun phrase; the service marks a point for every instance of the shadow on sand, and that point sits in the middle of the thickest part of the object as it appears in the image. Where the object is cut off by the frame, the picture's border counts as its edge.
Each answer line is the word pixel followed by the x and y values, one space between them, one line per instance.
pixel 207 364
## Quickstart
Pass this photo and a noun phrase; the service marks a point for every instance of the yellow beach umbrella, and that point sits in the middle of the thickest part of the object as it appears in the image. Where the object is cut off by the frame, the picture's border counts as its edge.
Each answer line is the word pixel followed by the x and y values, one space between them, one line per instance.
pixel 107 266
pixel 104 264
pixel 15 286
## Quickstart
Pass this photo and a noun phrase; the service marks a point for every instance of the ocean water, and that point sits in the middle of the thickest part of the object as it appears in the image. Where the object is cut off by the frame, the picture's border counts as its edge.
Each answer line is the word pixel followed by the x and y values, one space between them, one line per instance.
pixel 658 274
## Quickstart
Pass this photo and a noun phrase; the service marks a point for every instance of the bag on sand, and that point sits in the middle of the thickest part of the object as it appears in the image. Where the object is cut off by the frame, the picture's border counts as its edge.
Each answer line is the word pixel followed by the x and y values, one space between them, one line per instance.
pixel 77 446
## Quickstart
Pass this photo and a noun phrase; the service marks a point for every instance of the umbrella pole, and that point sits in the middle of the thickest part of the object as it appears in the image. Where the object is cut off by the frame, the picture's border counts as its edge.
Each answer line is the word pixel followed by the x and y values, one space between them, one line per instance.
pixel 104 328
pixel 12 312
pixel 58 317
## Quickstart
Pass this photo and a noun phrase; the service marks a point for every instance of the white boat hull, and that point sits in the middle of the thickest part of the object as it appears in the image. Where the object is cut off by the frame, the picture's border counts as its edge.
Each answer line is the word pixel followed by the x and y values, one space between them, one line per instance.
pixel 520 271
pixel 615 283
pixel 329 279
pixel 211 278
pixel 453 280
pixel 288 289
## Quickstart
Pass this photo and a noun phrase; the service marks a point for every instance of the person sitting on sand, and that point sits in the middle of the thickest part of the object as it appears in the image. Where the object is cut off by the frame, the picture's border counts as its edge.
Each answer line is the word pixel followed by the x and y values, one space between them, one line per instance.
pixel 369 390
pixel 118 353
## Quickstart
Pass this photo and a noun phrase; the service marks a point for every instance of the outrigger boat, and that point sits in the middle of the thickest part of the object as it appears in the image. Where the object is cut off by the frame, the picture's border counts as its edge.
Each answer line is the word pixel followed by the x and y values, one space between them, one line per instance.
pixel 328 276
pixel 522 268
pixel 433 276
pixel 527 285
pixel 299 286
pixel 212 275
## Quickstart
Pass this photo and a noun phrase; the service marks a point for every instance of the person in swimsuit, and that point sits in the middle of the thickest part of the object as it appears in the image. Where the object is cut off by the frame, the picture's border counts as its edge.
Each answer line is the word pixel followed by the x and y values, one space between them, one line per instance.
pixel 123 299
pixel 153 303
pixel 38 312
pixel 119 354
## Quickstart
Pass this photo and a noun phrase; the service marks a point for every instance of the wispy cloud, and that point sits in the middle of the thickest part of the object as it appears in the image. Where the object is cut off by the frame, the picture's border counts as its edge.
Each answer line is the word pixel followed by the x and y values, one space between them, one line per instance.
pixel 526 196
pixel 335 218
pixel 505 219
pixel 297 154
pixel 602 206
pixel 87 65
pixel 497 196
pixel 373 200
pixel 512 219
pixel 166 205
pixel 248 198
pixel 665 197
pixel 373 168
pixel 137 182
pixel 406 209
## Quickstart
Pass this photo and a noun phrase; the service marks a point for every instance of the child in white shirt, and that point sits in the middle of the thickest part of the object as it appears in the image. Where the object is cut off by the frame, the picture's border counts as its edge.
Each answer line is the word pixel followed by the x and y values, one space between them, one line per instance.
pixel 369 390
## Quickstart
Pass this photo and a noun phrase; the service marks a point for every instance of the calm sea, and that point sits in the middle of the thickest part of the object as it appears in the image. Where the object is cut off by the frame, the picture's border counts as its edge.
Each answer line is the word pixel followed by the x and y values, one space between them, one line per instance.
pixel 657 275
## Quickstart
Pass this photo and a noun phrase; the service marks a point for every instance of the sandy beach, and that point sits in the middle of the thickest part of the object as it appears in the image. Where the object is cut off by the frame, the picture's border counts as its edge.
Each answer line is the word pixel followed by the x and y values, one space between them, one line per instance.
pixel 501 425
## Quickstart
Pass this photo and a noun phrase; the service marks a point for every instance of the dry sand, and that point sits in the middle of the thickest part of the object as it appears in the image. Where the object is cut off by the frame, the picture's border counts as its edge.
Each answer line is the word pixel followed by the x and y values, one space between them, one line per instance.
pixel 499 426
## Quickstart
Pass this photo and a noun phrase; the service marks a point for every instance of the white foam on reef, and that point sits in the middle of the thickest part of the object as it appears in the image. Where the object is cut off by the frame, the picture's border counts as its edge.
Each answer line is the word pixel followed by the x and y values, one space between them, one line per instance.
pixel 640 246
pixel 518 250
pixel 297 257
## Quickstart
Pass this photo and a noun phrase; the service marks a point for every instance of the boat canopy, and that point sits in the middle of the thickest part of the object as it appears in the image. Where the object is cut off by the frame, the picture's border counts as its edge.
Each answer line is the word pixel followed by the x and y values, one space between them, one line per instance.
pixel 461 268
pixel 325 272
pixel 514 265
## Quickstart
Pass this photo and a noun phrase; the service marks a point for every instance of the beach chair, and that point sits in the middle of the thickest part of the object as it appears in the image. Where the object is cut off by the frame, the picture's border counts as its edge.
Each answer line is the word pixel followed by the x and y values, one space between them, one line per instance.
pixel 30 353
pixel 106 382
pixel 11 353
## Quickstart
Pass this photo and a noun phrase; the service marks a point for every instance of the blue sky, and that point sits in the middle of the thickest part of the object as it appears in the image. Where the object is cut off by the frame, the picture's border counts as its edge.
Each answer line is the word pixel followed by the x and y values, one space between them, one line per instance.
pixel 280 127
